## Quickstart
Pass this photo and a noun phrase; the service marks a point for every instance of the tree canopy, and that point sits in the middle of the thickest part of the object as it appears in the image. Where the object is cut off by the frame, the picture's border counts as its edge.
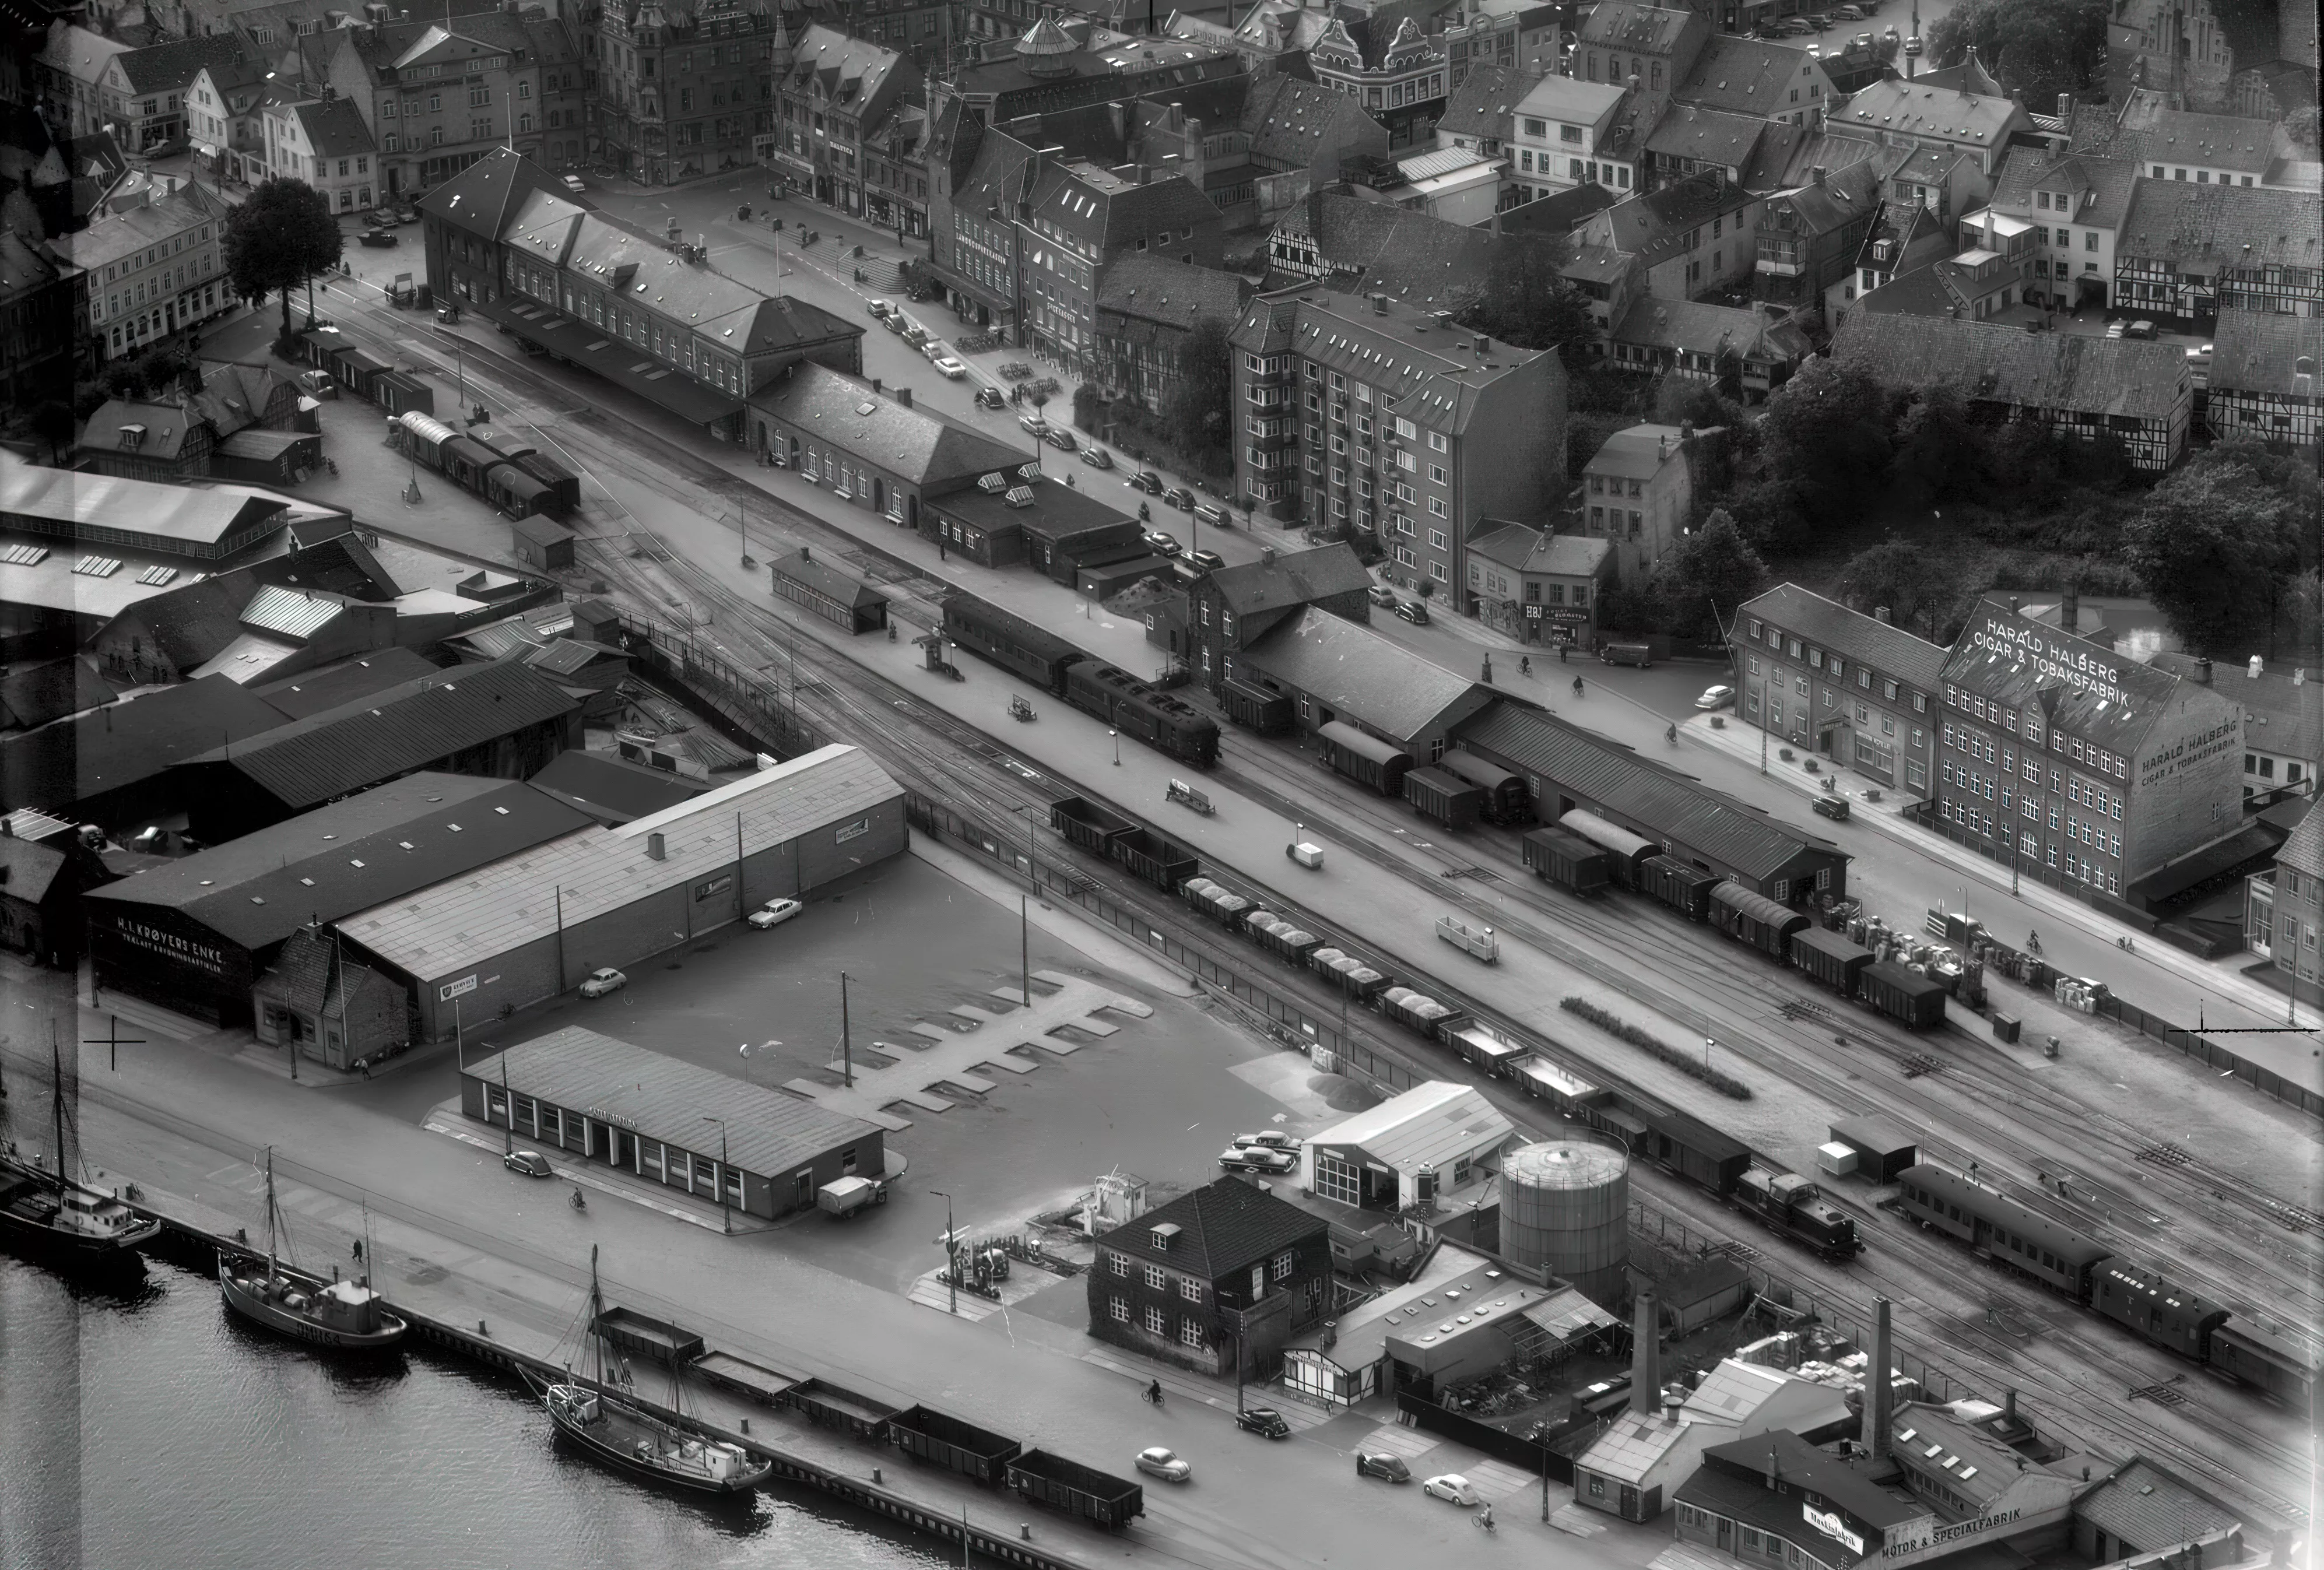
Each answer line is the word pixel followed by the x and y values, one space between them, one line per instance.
pixel 1527 301
pixel 2221 538
pixel 1200 406
pixel 283 235
pixel 1826 432
pixel 1713 570
pixel 2043 47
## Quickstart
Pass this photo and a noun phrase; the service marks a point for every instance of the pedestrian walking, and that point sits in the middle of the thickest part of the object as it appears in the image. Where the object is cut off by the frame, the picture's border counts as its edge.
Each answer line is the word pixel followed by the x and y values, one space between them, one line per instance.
pixel 358 1248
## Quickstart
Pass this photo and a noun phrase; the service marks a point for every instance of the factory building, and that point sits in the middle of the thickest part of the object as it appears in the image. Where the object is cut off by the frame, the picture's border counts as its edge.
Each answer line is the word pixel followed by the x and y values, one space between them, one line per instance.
pixel 600 1101
pixel 197 933
pixel 533 924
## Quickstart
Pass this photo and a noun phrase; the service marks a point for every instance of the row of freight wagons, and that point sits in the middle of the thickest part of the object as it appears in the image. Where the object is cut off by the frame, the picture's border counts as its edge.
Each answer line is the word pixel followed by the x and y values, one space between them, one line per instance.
pixel 515 477
pixel 1584 854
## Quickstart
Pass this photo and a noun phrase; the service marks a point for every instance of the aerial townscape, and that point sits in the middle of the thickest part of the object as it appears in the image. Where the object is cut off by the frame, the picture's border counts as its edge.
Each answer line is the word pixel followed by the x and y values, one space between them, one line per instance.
pixel 1358 784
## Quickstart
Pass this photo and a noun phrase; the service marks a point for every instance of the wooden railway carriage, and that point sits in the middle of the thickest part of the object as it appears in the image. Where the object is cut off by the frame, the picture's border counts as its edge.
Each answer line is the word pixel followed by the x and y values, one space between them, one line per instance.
pixel 1506 800
pixel 2049 1251
pixel 1756 920
pixel 2266 1361
pixel 2155 1309
pixel 1567 860
pixel 1684 889
pixel 1009 642
pixel 1829 958
pixel 423 437
pixel 1628 851
pixel 1369 761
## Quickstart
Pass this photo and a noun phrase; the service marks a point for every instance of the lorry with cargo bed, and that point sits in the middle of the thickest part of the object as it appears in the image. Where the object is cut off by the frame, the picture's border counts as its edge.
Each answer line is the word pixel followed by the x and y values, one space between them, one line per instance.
pixel 844 1197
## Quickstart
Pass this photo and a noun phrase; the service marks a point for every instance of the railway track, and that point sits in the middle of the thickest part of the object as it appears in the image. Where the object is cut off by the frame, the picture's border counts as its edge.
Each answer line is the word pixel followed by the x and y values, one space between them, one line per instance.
pixel 942 756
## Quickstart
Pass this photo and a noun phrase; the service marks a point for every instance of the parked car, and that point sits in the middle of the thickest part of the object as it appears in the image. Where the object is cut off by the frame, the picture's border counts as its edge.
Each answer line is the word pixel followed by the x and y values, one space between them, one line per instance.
pixel 1380 595
pixel 1833 807
pixel 775 912
pixel 604 982
pixel 1453 1487
pixel 1162 544
pixel 1162 1461
pixel 894 321
pixel 1269 1140
pixel 1264 1421
pixel 1059 436
pixel 1147 480
pixel 950 367
pixel 1413 611
pixel 1033 425
pixel 1214 513
pixel 1715 698
pixel 406 214
pixel 1891 36
pixel 1180 497
pixel 990 397
pixel 2115 329
pixel 1097 457
pixel 1206 560
pixel 935 348
pixel 2139 329
pixel 1256 1159
pixel 377 238
pixel 532 1163
pixel 878 307
pixel 1862 41
pixel 573 182
pixel 1848 13
pixel 1384 1465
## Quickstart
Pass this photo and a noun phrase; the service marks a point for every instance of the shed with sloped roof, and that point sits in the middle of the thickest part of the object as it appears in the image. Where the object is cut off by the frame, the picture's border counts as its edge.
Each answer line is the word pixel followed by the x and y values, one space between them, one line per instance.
pixel 1334 669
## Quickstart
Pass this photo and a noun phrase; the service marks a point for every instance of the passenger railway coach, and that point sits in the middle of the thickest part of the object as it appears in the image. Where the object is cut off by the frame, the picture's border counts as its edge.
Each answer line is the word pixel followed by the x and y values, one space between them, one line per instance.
pixel 1167 723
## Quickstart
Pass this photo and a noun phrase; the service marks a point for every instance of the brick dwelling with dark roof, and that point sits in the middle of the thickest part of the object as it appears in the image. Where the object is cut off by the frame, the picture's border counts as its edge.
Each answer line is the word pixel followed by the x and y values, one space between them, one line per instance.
pixel 1860 690
pixel 325 1005
pixel 1232 607
pixel 1223 1266
pixel 40 889
pixel 1147 308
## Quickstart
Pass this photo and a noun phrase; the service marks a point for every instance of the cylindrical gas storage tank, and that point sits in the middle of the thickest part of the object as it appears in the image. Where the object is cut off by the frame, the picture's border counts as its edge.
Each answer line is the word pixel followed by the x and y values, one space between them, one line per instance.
pixel 1565 1206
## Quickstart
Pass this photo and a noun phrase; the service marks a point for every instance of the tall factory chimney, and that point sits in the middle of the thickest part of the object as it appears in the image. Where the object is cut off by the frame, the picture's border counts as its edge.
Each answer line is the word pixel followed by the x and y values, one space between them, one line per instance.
pixel 1646 1357
pixel 1879 1390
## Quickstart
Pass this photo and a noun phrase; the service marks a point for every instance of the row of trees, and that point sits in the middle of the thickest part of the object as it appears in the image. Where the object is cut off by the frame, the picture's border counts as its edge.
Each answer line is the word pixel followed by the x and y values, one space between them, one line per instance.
pixel 2045 47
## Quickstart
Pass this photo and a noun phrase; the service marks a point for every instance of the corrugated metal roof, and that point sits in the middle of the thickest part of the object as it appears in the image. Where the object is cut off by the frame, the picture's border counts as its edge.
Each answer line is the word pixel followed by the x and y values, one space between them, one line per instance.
pixel 668 1100
pixel 107 749
pixel 1435 1122
pixel 314 691
pixel 1670 806
pixel 293 613
pixel 454 924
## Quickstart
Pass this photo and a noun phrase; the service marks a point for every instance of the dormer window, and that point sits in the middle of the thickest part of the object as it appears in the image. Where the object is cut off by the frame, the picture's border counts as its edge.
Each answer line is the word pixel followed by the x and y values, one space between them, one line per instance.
pixel 1162 1235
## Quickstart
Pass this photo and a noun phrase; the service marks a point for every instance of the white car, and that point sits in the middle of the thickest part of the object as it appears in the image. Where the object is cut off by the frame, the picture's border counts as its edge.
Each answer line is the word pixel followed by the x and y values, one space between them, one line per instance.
pixel 573 183
pixel 936 348
pixel 1453 1487
pixel 1157 1461
pixel 949 368
pixel 1257 1159
pixel 1272 1139
pixel 1715 698
pixel 602 982
pixel 775 912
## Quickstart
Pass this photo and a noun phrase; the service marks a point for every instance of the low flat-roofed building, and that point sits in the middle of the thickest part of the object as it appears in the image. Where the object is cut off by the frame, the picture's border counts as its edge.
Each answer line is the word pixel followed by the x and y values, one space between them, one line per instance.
pixel 2143 1509
pixel 601 1101
pixel 1057 531
pixel 533 924
pixel 203 522
pixel 195 934
pixel 1644 1459
pixel 844 600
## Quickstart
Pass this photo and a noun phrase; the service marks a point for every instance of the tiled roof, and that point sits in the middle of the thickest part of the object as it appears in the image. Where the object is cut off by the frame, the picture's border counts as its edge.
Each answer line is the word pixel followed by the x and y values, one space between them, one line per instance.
pixel 155 433
pixel 611 789
pixel 2222 225
pixel 1575 102
pixel 1945 287
pixel 2148 1506
pixel 28 871
pixel 114 235
pixel 1365 675
pixel 2157 134
pixel 2284 705
pixel 71 759
pixel 667 1099
pixel 1290 120
pixel 482 199
pixel 335 127
pixel 1683 810
pixel 313 691
pixel 170 68
pixel 2255 351
pixel 917 444
pixel 2010 367
pixel 1435 375
pixel 801 567
pixel 1628 25
pixel 1561 214
pixel 2100 187
pixel 360 743
pixel 2304 851
pixel 2115 715
pixel 1860 639
pixel 51 689
pixel 1483 104
pixel 374 847
pixel 1655 225
pixel 853 72
pixel 1174 293
pixel 1695 327
pixel 1300 578
pixel 1750 76
pixel 1224 1227
pixel 1707 135
pixel 1904 107
pixel 1638 452
pixel 1820 206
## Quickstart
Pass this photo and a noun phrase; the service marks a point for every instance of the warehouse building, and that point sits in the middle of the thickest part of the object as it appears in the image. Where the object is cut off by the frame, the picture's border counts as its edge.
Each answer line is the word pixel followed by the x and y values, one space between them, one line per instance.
pixel 1342 675
pixel 198 933
pixel 112 766
pixel 1567 768
pixel 505 719
pixel 533 925
pixel 599 1100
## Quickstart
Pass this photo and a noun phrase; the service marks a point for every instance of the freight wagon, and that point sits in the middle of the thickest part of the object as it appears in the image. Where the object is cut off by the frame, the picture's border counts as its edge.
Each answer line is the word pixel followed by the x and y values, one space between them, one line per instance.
pixel 1543 1080
pixel 1508 802
pixel 1487 1050
pixel 1078 1491
pixel 1904 995
pixel 1223 906
pixel 1283 940
pixel 1443 798
pixel 1830 958
pixel 1170 724
pixel 1092 827
pixel 1754 919
pixel 1567 860
pixel 1417 1011
pixel 1155 859
pixel 2266 1361
pixel 1691 1146
pixel 955 1445
pixel 1371 762
pixel 1358 980
pixel 1254 707
pixel 824 1403
pixel 1684 889
pixel 1627 852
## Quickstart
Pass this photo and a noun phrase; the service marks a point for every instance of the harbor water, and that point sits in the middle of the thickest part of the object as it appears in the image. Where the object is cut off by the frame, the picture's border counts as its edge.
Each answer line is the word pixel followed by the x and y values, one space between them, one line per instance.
pixel 143 1427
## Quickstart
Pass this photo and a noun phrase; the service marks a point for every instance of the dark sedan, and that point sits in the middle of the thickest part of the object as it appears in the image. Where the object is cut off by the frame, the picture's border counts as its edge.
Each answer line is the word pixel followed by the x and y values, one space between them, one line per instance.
pixel 1264 1421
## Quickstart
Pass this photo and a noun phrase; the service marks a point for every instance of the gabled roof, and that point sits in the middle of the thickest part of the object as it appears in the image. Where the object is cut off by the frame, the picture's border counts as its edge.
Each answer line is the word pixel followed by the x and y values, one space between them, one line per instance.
pixel 2222 225
pixel 1482 105
pixel 1224 1227
pixel 155 433
pixel 1860 639
pixel 2304 851
pixel 335 127
pixel 1809 1469
pixel 1290 121
pixel 2144 1503
pixel 1707 135
pixel 328 688
pixel 1949 287
pixel 2010 367
pixel 1300 578
pixel 2284 705
pixel 1638 452
pixel 1969 76
pixel 90 754
pixel 611 789
pixel 1433 1123
pixel 1439 375
pixel 2256 351
pixel 389 733
pixel 1751 76
pixel 483 198
pixel 112 235
pixel 1368 677
pixel 1837 200
pixel 28 871
pixel 1692 327
pixel 1904 107
pixel 916 444
pixel 2152 132
pixel 50 690
pixel 370 849
pixel 2098 188
pixel 1626 25
pixel 2116 714
pixel 1654 226
pixel 1171 293
pixel 1528 549
pixel 170 68
pixel 800 567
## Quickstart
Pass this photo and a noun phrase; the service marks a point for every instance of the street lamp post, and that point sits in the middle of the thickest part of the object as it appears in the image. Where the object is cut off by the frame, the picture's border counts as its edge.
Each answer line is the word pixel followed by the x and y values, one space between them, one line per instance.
pixel 952 1271
pixel 726 1217
pixel 459 1038
pixel 1117 747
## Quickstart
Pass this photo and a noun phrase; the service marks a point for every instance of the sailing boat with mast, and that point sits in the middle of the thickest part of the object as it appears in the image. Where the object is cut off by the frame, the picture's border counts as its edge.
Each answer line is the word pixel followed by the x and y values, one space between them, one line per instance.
pixel 345 1313
pixel 59 1215
pixel 630 1438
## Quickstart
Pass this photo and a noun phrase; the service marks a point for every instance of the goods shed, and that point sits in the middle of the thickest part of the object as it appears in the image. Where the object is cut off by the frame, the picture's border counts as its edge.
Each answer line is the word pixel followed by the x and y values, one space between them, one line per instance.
pixel 533 924
pixel 847 601
pixel 540 544
pixel 1568 769
pixel 1336 671
pixel 604 1101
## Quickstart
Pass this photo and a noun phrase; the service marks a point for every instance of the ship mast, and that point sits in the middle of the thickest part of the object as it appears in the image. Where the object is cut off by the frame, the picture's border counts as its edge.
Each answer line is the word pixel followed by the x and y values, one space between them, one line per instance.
pixel 271 1267
pixel 596 1317
pixel 57 1099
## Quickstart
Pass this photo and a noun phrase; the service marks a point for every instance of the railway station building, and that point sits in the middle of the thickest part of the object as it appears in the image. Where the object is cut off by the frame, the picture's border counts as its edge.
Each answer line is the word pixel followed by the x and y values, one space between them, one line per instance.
pixel 533 925
pixel 874 447
pixel 1567 768
pixel 1340 673
pixel 599 1101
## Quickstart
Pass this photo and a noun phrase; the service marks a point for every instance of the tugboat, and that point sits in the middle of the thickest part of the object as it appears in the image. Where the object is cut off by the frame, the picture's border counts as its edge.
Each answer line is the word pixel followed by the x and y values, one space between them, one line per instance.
pixel 347 1314
pixel 56 1215
pixel 629 1438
